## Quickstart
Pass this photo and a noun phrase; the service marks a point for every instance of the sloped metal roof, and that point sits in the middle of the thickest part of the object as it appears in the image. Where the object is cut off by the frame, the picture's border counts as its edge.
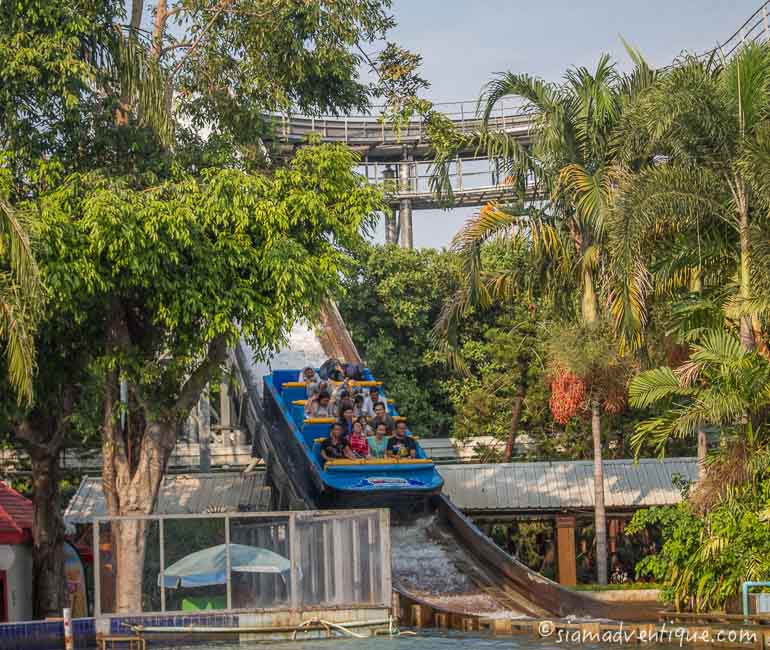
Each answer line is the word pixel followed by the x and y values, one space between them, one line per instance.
pixel 181 494
pixel 16 514
pixel 565 485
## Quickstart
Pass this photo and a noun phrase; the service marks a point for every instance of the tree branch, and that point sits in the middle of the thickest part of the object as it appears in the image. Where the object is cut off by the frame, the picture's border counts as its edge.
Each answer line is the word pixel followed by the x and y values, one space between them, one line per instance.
pixel 220 8
pixel 195 384
pixel 136 16
pixel 174 46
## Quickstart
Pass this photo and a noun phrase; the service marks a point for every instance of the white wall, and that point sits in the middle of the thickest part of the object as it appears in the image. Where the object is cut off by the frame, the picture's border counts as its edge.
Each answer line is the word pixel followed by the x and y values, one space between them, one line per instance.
pixel 20 585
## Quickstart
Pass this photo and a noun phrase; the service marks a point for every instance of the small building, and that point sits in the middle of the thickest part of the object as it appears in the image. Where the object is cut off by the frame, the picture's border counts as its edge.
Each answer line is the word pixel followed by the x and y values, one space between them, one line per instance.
pixel 15 556
pixel 561 494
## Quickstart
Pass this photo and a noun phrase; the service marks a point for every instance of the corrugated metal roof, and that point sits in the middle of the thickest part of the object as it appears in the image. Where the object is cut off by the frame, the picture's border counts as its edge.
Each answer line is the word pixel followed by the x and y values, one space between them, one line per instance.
pixel 562 485
pixel 182 494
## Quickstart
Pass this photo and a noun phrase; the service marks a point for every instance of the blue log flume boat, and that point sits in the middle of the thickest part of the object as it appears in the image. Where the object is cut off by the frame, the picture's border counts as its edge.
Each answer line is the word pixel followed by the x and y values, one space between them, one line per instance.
pixel 366 482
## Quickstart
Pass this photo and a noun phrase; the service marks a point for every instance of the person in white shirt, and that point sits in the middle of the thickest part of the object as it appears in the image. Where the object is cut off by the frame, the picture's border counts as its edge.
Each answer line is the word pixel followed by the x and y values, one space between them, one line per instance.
pixel 308 375
pixel 371 399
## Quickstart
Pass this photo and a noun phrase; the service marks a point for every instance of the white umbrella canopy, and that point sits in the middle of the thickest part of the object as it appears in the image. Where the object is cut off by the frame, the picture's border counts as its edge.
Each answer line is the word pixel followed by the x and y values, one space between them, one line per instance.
pixel 209 566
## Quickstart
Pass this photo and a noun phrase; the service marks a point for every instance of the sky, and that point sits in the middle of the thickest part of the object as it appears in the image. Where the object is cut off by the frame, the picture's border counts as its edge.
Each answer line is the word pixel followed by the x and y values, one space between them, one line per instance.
pixel 464 43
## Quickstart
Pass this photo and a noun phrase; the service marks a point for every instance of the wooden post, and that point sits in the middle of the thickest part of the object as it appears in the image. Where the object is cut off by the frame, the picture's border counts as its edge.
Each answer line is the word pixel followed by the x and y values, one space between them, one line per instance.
pixel 294 555
pixel 204 431
pixel 225 410
pixel 565 549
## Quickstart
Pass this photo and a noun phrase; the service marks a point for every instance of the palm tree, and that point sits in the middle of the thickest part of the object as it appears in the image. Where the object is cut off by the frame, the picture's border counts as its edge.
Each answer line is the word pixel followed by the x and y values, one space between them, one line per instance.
pixel 566 178
pixel 19 296
pixel 706 124
pixel 722 384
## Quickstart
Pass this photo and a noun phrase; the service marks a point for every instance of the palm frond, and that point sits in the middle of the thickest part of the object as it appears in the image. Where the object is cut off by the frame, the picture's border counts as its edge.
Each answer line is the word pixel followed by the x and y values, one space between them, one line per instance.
pixel 143 83
pixel 17 328
pixel 656 385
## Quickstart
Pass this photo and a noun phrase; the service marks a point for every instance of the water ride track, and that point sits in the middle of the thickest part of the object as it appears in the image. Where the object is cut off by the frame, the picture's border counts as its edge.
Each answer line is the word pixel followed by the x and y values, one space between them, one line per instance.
pixel 489 571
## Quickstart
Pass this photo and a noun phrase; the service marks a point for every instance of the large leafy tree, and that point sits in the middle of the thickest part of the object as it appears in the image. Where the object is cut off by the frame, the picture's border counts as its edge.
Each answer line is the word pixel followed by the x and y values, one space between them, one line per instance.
pixel 132 133
pixel 171 275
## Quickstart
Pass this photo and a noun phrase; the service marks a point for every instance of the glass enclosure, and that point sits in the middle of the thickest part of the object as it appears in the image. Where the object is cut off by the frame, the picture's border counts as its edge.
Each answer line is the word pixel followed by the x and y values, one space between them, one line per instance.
pixel 246 561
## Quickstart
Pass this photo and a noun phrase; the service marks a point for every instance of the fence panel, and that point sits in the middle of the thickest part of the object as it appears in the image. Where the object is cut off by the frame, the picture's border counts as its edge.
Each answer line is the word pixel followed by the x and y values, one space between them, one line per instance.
pixel 260 572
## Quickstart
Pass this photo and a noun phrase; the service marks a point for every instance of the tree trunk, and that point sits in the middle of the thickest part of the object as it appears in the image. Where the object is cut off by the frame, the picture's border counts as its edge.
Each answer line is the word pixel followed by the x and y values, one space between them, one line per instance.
pixel 135 458
pixel 131 487
pixel 600 517
pixel 518 407
pixel 702 449
pixel 128 538
pixel 48 537
pixel 590 303
pixel 161 13
pixel 747 331
pixel 42 433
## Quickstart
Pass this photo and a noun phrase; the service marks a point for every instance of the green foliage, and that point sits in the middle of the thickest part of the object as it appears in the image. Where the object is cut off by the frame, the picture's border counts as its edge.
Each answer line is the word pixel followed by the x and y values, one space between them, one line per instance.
pixel 700 209
pixel 391 300
pixel 705 558
pixel 720 385
pixel 193 260
pixel 399 84
pixel 483 400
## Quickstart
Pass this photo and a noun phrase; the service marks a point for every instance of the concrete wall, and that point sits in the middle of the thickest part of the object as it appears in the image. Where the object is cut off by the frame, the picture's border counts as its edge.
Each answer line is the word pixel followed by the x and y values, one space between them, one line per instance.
pixel 625 595
pixel 20 585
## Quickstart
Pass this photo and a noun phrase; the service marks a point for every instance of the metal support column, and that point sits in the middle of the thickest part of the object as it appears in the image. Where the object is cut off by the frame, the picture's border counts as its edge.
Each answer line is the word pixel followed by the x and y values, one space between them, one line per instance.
pixel 405 208
pixel 405 218
pixel 390 228
pixel 390 185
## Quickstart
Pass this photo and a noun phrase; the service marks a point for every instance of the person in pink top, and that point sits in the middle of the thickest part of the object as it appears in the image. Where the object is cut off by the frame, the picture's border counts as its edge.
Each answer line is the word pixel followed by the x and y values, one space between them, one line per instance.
pixel 357 441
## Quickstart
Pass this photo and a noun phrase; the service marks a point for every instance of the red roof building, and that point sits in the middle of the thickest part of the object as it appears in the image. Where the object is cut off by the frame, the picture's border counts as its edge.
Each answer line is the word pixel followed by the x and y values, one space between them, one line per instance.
pixel 15 516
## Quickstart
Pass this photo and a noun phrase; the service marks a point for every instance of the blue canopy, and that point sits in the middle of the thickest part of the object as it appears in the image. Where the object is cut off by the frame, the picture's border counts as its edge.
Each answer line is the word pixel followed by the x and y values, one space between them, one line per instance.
pixel 209 566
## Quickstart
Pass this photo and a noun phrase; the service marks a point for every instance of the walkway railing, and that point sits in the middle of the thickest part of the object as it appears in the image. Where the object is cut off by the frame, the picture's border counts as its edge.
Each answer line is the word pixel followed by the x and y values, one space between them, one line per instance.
pixel 474 181
pixel 755 30
pixel 415 177
pixel 369 129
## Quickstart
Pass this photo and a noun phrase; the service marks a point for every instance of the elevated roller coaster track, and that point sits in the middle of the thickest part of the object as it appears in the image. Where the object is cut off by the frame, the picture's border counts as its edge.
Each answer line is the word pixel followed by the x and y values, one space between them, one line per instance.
pixel 399 159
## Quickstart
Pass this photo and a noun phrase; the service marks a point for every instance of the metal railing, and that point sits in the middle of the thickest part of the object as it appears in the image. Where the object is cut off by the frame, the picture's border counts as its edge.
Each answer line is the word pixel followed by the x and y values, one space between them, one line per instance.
pixel 508 115
pixel 409 178
pixel 755 30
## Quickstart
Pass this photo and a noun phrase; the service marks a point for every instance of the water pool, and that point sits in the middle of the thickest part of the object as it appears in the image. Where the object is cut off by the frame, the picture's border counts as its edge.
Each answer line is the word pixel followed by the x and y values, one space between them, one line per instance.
pixel 424 641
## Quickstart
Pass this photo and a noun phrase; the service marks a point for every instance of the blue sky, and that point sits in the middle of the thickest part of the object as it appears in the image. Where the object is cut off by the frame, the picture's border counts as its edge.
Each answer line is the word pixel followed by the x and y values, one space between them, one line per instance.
pixel 464 43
